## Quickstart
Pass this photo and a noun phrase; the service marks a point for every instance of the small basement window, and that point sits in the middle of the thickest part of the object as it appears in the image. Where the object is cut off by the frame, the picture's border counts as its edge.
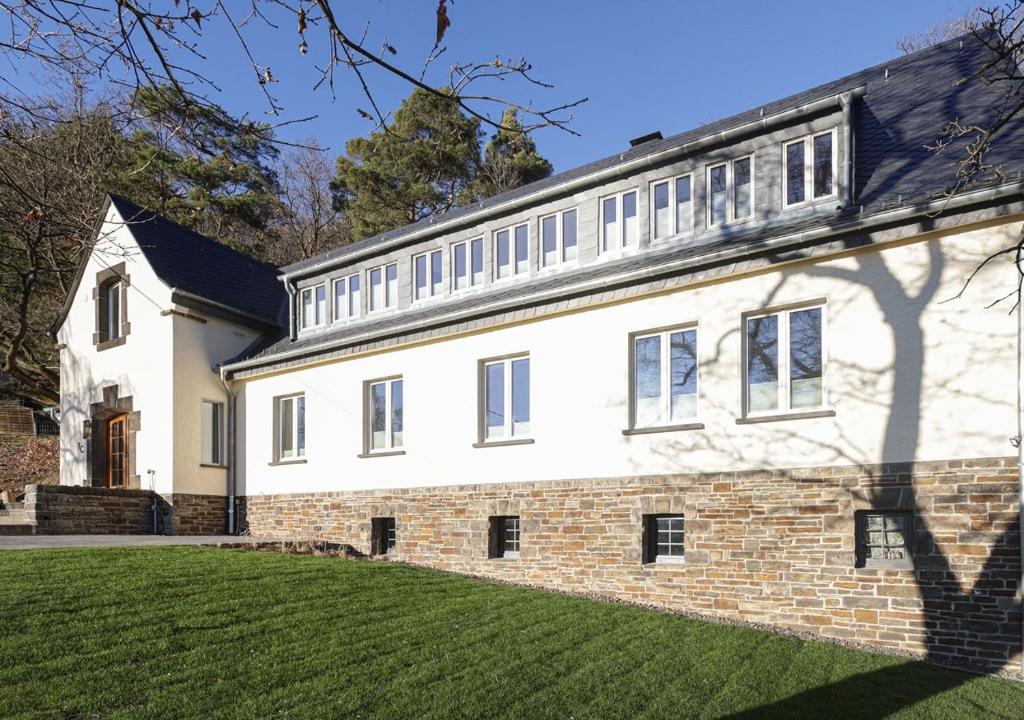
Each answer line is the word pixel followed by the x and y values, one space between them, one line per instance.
pixel 663 538
pixel 504 537
pixel 884 538
pixel 382 535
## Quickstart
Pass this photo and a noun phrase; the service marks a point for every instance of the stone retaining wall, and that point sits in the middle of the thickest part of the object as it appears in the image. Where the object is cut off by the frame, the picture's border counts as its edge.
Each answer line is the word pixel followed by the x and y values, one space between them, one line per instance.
pixel 73 510
pixel 65 510
pixel 773 547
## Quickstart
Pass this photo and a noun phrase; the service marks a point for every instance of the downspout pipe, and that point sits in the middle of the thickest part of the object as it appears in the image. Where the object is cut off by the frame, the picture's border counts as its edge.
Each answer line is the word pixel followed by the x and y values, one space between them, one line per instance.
pixel 846 100
pixel 1020 456
pixel 290 287
pixel 229 455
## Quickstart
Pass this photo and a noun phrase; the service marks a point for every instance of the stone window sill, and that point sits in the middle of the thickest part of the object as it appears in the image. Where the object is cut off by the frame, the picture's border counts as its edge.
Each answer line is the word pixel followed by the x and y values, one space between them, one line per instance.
pixel 785 416
pixel 381 453
pixel 213 466
pixel 299 461
pixel 665 564
pixel 664 428
pixel 874 567
pixel 502 443
pixel 108 344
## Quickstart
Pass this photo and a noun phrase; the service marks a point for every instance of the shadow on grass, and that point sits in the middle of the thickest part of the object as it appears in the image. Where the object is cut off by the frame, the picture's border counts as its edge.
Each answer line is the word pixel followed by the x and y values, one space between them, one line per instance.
pixel 876 694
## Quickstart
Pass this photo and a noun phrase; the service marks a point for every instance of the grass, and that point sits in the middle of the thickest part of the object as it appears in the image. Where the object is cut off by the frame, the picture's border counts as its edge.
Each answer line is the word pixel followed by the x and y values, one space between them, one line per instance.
pixel 203 633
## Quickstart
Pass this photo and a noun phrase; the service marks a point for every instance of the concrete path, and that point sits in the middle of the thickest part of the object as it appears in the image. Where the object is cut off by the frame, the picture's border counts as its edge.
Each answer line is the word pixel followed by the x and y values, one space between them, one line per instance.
pixel 36 542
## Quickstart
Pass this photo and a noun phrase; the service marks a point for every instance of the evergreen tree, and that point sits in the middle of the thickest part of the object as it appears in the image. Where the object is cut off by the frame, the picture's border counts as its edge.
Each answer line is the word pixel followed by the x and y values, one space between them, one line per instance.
pixel 419 166
pixel 202 168
pixel 510 160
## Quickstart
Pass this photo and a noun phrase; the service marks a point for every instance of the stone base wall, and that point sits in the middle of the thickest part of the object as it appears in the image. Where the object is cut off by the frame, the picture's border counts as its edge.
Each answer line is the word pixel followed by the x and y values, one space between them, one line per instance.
pixel 198 514
pixel 773 547
pixel 65 510
pixel 72 510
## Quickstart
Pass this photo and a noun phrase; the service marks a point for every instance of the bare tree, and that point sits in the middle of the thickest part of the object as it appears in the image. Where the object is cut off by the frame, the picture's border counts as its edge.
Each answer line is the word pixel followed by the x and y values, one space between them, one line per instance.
pixel 954 27
pixel 309 221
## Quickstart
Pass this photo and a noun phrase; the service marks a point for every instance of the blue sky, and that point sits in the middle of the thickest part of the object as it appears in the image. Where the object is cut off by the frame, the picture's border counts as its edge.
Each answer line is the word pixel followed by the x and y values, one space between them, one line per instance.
pixel 651 65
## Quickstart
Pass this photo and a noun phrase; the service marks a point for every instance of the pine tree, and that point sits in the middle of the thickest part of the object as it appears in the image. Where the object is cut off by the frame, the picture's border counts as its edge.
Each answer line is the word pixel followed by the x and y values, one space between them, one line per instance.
pixel 510 160
pixel 419 166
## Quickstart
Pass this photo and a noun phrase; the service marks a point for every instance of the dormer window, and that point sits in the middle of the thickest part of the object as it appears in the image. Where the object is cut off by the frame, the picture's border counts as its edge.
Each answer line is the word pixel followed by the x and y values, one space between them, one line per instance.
pixel 314 306
pixel 110 297
pixel 619 229
pixel 467 264
pixel 511 252
pixel 810 169
pixel 730 191
pixel 671 207
pixel 384 287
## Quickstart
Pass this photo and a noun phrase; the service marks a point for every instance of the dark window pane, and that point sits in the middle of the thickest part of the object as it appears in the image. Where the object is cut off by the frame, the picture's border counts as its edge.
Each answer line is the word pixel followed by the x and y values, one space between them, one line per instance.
pixel 794 173
pixel 683 364
pixel 763 363
pixel 805 358
pixel 823 165
pixel 742 183
pixel 569 235
pixel 521 396
pixel 718 195
pixel 494 380
pixel 647 380
pixel 549 240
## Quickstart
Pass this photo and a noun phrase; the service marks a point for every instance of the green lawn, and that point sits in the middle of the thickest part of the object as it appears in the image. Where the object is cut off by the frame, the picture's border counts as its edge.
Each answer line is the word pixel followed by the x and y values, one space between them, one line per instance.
pixel 202 633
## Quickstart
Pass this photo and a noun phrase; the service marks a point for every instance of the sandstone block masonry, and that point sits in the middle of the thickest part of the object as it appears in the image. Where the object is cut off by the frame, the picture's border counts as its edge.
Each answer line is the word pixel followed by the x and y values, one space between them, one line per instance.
pixel 772 547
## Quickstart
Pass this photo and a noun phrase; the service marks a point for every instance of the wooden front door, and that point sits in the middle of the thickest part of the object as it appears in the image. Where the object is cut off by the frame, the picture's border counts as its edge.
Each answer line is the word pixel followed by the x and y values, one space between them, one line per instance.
pixel 117 452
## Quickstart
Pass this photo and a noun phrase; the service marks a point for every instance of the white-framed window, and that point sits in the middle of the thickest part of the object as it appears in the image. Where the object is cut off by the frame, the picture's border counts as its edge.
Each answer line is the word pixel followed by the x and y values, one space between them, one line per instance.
pixel 505 405
pixel 346 298
pixel 383 287
pixel 113 318
pixel 672 207
pixel 730 191
pixel 512 251
pixel 290 419
pixel 211 424
pixel 558 238
pixel 426 275
pixel 664 377
pixel 467 264
pixel 314 306
pixel 785 360
pixel 385 402
pixel 619 225
pixel 810 168
pixel 663 538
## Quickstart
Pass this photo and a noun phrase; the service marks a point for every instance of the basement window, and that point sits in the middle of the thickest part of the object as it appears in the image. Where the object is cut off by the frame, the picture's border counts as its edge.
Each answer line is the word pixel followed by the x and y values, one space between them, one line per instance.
pixel 382 535
pixel 504 537
pixel 663 538
pixel 884 538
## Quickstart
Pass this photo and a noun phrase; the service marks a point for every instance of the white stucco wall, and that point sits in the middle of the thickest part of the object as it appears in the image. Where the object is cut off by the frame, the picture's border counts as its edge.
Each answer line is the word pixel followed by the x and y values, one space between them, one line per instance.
pixel 165 365
pixel 198 348
pixel 141 367
pixel 956 395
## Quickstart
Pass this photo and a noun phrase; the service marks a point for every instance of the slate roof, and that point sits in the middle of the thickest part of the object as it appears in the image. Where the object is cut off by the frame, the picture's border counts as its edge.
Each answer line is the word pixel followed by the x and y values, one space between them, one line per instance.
pixel 186 260
pixel 905 105
pixel 908 100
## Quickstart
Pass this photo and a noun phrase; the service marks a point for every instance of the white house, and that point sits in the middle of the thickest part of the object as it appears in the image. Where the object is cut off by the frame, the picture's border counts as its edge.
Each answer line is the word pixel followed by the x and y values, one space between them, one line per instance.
pixel 730 371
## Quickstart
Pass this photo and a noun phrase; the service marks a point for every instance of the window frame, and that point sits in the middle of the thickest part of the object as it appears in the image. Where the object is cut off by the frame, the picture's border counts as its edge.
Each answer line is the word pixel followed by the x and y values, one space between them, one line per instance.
pixel 730 191
pixel 348 315
pixel 860 540
pixel 783 360
pixel 666 376
pixel 296 454
pixel 311 290
pixel 216 458
pixel 620 248
pixel 452 277
pixel 383 535
pixel 513 273
pixel 389 302
pixel 431 294
pixel 672 183
pixel 561 262
pixel 507 438
pixel 389 447
pixel 808 143
pixel 649 549
pixel 112 321
pixel 497 540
